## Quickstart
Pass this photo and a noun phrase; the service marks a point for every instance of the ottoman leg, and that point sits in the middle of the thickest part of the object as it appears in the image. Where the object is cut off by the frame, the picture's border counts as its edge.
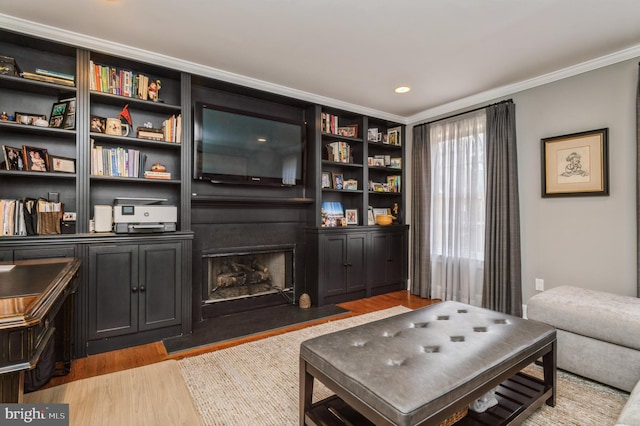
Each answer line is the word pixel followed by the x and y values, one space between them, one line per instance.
pixel 306 390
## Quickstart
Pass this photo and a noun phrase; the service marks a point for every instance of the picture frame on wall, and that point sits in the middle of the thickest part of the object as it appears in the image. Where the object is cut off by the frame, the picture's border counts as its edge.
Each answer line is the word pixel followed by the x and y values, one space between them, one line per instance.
pixel 576 164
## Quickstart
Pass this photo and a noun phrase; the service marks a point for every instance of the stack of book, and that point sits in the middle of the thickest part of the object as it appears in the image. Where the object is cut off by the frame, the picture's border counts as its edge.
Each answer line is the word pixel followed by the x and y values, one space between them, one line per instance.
pixel 339 152
pixel 50 77
pixel 329 123
pixel 157 175
pixel 150 133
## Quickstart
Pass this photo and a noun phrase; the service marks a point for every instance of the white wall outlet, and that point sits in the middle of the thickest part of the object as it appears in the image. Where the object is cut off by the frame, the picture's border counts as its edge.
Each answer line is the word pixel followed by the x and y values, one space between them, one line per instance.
pixel 539 284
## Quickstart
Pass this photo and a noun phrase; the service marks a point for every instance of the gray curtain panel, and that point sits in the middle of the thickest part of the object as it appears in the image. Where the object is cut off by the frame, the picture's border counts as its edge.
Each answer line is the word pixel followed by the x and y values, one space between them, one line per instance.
pixel 638 185
pixel 502 288
pixel 420 212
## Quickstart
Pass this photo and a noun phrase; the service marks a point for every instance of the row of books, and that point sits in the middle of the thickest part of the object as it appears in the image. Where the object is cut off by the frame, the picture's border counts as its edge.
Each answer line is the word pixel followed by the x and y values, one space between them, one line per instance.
pixel 120 162
pixel 339 152
pixel 30 217
pixel 172 128
pixel 329 123
pixel 107 79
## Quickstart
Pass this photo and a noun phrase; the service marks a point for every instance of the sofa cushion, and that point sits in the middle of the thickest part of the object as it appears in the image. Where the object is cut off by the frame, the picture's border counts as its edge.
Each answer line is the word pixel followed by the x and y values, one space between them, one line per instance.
pixel 630 414
pixel 599 315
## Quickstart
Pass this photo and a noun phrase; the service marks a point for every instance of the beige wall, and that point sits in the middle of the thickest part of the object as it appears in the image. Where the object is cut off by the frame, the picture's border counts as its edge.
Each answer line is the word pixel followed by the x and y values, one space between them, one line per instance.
pixel 588 242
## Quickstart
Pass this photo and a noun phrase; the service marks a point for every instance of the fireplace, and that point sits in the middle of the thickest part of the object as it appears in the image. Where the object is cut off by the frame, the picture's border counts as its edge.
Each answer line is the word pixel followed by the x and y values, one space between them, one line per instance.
pixel 249 275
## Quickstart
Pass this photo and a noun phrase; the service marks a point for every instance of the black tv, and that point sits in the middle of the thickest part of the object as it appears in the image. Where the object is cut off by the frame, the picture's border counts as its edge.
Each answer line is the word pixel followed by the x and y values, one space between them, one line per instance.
pixel 238 147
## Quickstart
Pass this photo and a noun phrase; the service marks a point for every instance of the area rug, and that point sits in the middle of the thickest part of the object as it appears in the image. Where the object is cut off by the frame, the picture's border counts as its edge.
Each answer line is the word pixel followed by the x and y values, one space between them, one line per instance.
pixel 257 383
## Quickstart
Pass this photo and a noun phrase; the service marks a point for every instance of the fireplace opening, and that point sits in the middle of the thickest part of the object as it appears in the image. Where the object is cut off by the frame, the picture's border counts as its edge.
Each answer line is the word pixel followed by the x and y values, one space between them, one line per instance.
pixel 249 273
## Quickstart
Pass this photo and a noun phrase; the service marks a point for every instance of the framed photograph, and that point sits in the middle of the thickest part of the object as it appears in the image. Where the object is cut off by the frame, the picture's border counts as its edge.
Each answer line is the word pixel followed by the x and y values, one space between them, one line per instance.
pixel 350 131
pixel 395 163
pixel 350 185
pixel 370 219
pixel 326 180
pixel 393 136
pixel 98 124
pixel 35 159
pixel 13 158
pixel 351 216
pixel 576 164
pixel 372 135
pixel 70 118
pixel 338 180
pixel 377 212
pixel 58 114
pixel 29 119
pixel 62 164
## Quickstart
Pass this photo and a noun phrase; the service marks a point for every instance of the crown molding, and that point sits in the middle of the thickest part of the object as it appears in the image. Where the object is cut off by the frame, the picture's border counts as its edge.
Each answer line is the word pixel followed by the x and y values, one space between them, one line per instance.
pixel 508 90
pixel 112 48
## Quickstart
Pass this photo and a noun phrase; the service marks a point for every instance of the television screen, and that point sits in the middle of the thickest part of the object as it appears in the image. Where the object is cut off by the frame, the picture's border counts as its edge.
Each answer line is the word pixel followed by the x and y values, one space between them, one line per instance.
pixel 237 147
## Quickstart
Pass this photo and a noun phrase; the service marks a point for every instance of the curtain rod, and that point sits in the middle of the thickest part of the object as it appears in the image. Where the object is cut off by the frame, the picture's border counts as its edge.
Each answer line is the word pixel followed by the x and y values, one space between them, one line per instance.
pixel 466 112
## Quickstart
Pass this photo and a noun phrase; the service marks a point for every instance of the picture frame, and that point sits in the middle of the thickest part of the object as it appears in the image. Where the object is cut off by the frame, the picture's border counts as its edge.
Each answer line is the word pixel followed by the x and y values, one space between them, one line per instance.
pixel 350 131
pixel 58 114
pixel 35 159
pixel 395 163
pixel 70 118
pixel 350 185
pixel 370 219
pixel 13 158
pixel 351 216
pixel 338 180
pixel 28 118
pixel 62 164
pixel 379 211
pixel 326 180
pixel 393 136
pixel 372 135
pixel 98 124
pixel 576 164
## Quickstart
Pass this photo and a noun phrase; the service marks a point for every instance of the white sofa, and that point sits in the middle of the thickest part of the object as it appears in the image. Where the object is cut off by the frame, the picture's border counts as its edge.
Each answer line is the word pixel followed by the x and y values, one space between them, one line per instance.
pixel 598 337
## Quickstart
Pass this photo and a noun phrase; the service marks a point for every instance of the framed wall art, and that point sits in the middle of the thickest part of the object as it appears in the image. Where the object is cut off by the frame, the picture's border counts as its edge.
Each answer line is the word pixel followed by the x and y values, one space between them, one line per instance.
pixel 576 164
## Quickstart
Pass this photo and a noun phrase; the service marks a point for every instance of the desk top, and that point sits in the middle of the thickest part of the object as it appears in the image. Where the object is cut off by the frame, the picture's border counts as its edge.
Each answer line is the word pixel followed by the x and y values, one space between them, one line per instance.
pixel 28 290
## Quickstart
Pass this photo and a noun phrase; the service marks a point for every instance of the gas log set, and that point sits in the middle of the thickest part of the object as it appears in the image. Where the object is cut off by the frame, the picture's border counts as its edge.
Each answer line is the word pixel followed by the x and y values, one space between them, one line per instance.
pixel 238 277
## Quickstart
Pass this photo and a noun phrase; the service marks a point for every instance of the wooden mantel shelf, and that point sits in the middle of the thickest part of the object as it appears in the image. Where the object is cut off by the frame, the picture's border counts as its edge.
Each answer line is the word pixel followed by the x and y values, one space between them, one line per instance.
pixel 216 200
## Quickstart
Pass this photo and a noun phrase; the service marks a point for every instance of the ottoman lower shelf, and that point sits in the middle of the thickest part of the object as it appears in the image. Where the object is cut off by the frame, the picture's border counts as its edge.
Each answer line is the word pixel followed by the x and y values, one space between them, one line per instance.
pixel 517 397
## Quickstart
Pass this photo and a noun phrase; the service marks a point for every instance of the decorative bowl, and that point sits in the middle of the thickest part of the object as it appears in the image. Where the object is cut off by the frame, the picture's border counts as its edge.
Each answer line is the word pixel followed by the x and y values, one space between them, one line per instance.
pixel 384 219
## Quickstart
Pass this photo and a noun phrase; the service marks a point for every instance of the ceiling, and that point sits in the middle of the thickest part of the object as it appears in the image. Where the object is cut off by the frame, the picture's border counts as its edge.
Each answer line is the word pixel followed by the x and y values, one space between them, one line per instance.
pixel 353 53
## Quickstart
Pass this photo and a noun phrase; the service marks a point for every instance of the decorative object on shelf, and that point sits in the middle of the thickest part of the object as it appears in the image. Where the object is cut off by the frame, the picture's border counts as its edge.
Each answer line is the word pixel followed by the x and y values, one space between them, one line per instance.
pixel 396 163
pixel 58 114
pixel 384 219
pixel 395 213
pixel 576 164
pixel 371 220
pixel 62 164
pixel 4 116
pixel 116 127
pixel 98 124
pixel 29 119
pixel 350 131
pixel 154 88
pixel 304 301
pixel 41 122
pixel 13 158
pixel 8 66
pixel 332 214
pixel 326 180
pixel 158 167
pixel 351 216
pixel 125 115
pixel 35 159
pixel 338 180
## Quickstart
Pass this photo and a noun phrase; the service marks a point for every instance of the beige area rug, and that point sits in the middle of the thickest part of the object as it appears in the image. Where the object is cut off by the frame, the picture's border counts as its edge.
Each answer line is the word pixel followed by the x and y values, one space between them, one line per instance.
pixel 257 383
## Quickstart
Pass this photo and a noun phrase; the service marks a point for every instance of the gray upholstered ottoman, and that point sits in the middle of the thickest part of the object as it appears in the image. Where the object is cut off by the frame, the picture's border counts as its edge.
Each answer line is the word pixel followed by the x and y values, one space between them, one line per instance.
pixel 424 366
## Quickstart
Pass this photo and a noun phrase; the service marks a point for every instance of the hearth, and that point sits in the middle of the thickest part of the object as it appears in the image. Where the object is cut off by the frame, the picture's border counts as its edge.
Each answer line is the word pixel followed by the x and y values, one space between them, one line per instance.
pixel 245 273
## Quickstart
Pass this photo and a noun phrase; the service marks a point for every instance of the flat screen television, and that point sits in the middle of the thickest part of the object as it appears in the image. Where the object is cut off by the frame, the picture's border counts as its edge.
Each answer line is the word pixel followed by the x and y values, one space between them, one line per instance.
pixel 234 146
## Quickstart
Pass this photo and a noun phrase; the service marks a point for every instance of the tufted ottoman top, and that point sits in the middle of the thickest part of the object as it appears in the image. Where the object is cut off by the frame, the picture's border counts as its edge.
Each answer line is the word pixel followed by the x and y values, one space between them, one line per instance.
pixel 413 365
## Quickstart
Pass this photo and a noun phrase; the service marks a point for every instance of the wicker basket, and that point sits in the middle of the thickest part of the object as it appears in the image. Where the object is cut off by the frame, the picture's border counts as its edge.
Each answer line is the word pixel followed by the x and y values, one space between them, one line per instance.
pixel 456 417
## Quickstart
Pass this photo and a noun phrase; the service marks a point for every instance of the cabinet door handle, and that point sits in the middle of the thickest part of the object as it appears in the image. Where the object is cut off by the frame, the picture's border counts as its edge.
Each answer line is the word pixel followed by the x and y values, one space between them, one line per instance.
pixel 134 289
pixel 348 264
pixel 142 289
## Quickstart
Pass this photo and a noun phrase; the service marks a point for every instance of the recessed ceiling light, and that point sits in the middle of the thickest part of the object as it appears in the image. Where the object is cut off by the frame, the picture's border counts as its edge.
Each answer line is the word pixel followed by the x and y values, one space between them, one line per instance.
pixel 402 89
pixel 262 140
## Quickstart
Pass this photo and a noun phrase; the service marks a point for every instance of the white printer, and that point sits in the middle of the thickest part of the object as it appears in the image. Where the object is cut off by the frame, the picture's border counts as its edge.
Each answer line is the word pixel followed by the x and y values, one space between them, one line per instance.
pixel 143 215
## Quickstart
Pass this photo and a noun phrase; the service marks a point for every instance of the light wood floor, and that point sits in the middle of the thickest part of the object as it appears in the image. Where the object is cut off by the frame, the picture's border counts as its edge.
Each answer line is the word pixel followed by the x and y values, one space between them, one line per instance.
pixel 137 356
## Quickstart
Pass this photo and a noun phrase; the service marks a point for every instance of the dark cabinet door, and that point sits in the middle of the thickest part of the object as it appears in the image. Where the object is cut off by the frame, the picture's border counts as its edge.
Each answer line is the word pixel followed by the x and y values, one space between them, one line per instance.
pixel 113 290
pixel 160 285
pixel 378 258
pixel 333 272
pixel 387 258
pixel 356 262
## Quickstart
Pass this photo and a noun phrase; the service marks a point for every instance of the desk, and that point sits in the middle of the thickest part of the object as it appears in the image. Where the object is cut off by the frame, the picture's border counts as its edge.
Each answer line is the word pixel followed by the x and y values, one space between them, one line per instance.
pixel 32 294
